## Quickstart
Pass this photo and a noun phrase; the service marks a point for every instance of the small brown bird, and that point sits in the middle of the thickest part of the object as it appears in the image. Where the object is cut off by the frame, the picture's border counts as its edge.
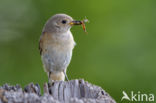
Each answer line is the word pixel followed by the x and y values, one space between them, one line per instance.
pixel 56 45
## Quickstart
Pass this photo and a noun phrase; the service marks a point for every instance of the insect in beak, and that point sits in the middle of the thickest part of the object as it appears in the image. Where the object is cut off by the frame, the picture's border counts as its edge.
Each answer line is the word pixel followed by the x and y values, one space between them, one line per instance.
pixel 75 22
pixel 82 22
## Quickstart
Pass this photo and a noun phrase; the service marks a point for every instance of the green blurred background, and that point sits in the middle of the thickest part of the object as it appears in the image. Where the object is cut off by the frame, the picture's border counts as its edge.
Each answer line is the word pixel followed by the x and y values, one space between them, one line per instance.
pixel 118 53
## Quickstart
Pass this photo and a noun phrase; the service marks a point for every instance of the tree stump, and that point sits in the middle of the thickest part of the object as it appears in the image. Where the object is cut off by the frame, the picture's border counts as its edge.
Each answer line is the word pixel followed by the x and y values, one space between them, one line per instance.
pixel 73 91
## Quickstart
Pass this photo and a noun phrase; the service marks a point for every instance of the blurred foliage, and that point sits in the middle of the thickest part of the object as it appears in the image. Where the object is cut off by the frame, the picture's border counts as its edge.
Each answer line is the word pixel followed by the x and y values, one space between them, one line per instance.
pixel 119 52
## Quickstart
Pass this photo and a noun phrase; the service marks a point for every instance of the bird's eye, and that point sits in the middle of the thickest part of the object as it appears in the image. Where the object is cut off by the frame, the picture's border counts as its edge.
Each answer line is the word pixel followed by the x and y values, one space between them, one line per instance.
pixel 64 21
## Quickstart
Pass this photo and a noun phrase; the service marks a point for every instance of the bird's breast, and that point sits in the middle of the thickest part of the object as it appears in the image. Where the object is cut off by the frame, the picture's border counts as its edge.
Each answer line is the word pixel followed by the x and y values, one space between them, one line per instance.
pixel 57 51
pixel 59 42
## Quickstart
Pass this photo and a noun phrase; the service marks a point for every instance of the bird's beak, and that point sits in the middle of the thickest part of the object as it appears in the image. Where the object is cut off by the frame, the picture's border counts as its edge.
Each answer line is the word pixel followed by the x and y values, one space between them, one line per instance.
pixel 75 22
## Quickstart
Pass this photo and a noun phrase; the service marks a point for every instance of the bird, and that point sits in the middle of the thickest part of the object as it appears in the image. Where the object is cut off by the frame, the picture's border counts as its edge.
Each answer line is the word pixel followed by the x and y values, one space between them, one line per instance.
pixel 56 45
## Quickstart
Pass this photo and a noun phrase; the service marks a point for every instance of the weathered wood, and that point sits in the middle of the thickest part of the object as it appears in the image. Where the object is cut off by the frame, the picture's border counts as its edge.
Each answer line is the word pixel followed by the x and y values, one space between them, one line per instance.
pixel 74 91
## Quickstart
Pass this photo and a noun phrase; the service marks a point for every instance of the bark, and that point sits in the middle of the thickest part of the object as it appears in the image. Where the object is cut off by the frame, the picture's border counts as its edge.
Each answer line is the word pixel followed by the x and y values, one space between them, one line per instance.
pixel 74 91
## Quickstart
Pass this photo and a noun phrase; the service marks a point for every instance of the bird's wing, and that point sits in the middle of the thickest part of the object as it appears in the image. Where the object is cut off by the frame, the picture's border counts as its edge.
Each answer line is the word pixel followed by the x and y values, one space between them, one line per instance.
pixel 44 41
pixel 41 44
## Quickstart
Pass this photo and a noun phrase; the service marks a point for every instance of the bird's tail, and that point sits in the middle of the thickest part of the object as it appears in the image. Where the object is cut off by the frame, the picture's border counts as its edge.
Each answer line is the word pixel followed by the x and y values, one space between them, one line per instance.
pixel 59 76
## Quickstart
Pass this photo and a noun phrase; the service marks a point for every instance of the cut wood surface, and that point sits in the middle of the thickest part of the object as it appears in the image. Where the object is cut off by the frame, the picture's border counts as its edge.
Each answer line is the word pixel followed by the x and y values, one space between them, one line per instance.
pixel 73 91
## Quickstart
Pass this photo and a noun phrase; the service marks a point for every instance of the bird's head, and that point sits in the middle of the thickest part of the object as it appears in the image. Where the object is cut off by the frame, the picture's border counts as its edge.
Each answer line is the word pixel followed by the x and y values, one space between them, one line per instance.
pixel 60 23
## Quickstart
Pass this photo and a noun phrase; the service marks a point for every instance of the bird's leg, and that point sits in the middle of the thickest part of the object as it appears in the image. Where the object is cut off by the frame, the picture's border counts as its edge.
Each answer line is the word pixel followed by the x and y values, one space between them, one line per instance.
pixel 65 75
pixel 49 79
pixel 49 74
